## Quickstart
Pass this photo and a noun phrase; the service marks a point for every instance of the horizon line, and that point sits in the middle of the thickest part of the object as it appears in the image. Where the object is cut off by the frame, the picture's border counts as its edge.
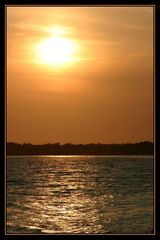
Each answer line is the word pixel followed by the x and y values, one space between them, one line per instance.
pixel 144 141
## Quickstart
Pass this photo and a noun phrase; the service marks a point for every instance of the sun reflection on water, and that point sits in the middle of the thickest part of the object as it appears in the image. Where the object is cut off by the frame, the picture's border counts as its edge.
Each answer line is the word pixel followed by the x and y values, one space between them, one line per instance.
pixel 66 197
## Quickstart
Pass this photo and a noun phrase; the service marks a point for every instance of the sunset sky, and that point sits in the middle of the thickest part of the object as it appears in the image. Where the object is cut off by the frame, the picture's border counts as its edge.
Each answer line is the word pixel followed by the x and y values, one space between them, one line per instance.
pixel 79 74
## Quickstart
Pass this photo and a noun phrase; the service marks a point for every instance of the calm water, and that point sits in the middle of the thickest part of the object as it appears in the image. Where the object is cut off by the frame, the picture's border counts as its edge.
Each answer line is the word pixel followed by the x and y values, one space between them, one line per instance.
pixel 80 194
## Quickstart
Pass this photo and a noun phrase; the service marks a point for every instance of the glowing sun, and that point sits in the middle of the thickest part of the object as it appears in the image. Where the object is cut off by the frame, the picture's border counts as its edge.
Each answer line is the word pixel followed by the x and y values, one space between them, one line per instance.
pixel 56 51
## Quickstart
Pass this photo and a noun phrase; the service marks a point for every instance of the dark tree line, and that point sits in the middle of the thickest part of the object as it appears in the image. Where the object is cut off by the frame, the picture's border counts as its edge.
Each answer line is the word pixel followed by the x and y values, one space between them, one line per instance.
pixel 141 148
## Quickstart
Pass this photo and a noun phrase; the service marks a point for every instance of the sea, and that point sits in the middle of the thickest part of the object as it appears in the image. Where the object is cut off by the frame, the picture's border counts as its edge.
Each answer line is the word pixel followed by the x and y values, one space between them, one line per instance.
pixel 80 195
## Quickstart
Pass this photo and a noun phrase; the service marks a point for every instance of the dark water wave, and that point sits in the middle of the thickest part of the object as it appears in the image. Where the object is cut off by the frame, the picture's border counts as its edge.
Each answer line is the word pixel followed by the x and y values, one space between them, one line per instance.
pixel 67 194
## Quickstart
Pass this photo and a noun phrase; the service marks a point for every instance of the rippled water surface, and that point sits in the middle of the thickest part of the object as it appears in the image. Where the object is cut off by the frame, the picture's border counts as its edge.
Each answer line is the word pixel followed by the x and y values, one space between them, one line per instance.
pixel 80 194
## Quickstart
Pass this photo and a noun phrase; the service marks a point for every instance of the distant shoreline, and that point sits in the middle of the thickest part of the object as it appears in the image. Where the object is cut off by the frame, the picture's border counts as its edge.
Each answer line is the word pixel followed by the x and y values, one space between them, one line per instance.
pixel 92 149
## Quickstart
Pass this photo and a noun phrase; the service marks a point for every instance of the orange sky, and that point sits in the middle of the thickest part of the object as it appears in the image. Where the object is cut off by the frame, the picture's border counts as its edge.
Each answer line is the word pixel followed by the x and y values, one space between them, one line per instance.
pixel 93 84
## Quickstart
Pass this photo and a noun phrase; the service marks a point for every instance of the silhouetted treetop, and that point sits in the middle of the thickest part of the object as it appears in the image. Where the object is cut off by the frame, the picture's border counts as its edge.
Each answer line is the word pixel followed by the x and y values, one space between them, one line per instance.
pixel 141 148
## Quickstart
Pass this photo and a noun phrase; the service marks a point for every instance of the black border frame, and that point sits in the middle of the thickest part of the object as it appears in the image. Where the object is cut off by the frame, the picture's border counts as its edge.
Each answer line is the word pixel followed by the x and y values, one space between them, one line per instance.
pixel 156 116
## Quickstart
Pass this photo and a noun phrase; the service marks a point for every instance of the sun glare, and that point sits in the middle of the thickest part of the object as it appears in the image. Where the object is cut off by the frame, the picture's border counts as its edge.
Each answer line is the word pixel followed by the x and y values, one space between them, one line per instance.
pixel 56 50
